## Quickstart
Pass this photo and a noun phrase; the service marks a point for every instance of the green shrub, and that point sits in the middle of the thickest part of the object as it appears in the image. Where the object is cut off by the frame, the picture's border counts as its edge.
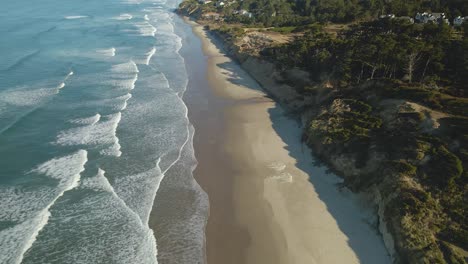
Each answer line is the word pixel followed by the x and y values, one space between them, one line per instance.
pixel 443 168
pixel 403 167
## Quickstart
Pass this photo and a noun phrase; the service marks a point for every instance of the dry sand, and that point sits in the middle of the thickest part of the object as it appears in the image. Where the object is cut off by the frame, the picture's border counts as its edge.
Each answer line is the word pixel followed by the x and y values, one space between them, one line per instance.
pixel 269 203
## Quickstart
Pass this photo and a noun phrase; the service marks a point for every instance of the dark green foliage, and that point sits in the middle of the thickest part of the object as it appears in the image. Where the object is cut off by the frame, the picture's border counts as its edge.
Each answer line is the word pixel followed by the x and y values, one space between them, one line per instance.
pixel 414 201
pixel 443 169
pixel 450 255
pixel 383 50
pixel 456 235
pixel 300 12
pixel 230 32
pixel 403 167
pixel 354 125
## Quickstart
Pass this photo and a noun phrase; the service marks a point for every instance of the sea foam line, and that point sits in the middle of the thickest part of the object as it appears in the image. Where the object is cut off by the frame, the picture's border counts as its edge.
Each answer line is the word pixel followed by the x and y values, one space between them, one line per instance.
pixel 106 186
pixel 62 84
pixel 107 52
pixel 95 133
pixel 49 168
pixel 87 120
pixel 74 17
pixel 124 17
pixel 150 55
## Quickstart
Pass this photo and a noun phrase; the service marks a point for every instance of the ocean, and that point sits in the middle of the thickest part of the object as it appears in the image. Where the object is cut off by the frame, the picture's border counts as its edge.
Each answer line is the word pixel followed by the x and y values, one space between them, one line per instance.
pixel 92 121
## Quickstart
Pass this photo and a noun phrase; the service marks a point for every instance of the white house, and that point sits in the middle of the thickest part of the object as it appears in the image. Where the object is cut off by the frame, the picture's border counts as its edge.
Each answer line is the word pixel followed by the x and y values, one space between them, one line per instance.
pixel 204 1
pixel 431 17
pixel 220 4
pixel 245 13
pixel 388 16
pixel 458 21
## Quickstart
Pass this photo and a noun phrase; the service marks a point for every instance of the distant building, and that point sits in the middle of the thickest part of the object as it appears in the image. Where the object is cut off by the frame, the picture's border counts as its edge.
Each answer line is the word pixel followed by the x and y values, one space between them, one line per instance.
pixel 245 13
pixel 387 16
pixel 425 17
pixel 204 1
pixel 440 18
pixel 459 20
pixel 392 16
pixel 220 4
pixel 422 17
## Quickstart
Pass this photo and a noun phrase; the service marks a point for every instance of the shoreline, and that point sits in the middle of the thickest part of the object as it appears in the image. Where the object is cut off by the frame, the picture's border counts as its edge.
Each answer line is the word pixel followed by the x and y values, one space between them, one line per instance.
pixel 272 206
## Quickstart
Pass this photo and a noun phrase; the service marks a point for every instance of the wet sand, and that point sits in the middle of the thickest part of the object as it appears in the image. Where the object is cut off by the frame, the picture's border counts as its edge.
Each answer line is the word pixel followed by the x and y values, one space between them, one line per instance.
pixel 269 203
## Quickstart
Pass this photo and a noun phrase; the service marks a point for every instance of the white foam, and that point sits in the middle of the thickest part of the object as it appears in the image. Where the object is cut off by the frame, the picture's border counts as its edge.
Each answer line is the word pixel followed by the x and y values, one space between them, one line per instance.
pixel 150 55
pixel 124 106
pixel 107 52
pixel 100 214
pixel 99 133
pixel 124 17
pixel 75 17
pixel 25 97
pixel 127 67
pixel 113 150
pixel 87 120
pixel 124 97
pixel 124 75
pixel 139 190
pixel 123 103
pixel 62 168
pixel 99 182
pixel 62 84
pixel 19 102
pixel 146 17
pixel 144 29
pixel 18 239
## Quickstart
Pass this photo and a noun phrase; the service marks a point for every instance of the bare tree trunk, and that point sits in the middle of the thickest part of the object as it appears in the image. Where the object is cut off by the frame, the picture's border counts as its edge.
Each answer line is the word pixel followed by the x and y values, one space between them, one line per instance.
pixel 412 60
pixel 425 68
pixel 373 72
pixel 361 73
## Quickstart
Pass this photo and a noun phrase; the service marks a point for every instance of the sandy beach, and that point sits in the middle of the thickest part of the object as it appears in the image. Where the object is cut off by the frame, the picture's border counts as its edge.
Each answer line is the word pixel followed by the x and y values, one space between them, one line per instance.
pixel 269 200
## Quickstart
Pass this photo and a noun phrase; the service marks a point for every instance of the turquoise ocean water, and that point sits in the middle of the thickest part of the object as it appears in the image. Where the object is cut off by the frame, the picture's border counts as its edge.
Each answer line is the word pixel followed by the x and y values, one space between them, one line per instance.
pixel 91 122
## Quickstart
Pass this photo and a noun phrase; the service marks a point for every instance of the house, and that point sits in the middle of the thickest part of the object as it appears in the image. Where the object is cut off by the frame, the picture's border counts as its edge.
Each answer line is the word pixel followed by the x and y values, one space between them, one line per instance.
pixel 245 13
pixel 440 18
pixel 459 20
pixel 220 4
pixel 203 2
pixel 392 16
pixel 387 16
pixel 425 17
